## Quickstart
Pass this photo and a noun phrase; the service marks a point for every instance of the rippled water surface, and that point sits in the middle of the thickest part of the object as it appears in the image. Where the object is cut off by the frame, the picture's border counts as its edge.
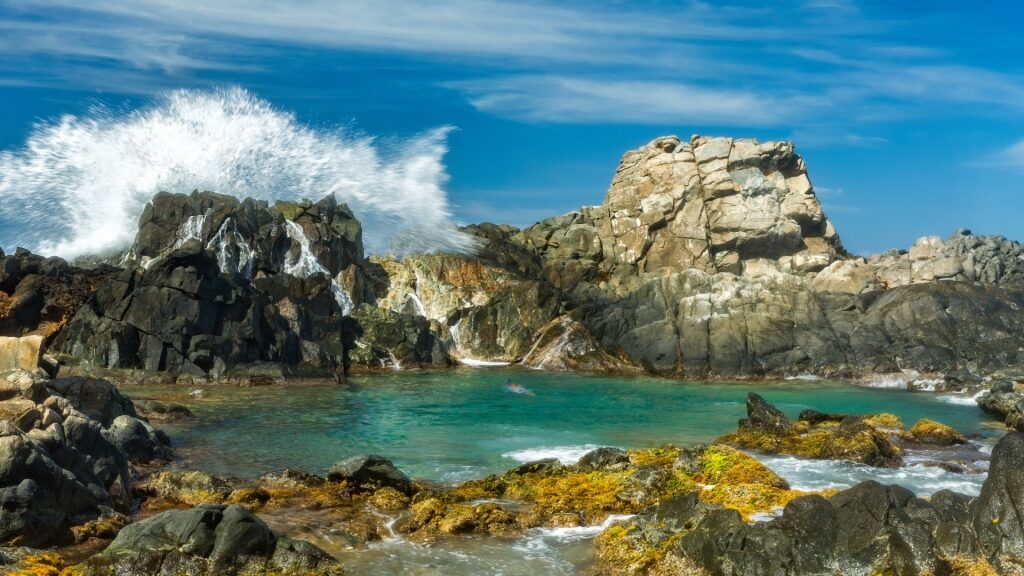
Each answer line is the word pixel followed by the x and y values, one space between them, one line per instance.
pixel 461 424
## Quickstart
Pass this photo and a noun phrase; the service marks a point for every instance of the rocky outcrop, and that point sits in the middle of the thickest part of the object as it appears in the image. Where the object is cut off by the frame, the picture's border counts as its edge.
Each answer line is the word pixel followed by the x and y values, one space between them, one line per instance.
pixel 210 539
pixel 708 258
pixel 39 295
pixel 713 257
pixel 870 440
pixel 867 529
pixel 711 204
pixel 383 338
pixel 1005 399
pixel 65 450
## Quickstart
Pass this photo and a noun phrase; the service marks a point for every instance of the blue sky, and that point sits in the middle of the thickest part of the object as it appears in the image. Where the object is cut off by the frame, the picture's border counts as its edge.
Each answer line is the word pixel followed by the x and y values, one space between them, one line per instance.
pixel 910 115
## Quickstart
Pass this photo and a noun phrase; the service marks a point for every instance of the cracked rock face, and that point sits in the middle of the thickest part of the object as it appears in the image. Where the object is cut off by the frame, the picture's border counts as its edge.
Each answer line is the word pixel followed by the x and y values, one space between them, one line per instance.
pixel 712 204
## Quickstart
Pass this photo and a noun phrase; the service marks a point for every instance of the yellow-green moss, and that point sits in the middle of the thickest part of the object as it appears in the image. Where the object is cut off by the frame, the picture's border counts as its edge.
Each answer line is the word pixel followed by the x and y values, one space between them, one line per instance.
pixel 725 465
pixel 326 495
pixel 388 498
pixel 932 432
pixel 252 498
pixel 885 421
pixel 663 456
pixel 587 493
pixel 41 564
pixel 966 566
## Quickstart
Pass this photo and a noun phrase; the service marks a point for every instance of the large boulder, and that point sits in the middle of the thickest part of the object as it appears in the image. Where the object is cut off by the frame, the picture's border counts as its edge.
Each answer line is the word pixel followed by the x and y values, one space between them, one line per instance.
pixel 998 513
pixel 207 540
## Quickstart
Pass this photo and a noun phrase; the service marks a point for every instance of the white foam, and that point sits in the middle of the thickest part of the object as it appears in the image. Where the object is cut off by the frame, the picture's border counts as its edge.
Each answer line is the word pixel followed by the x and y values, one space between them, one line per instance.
pixel 571 533
pixel 564 454
pixel 481 363
pixel 79 184
pixel 806 377
pixel 960 399
pixel 921 479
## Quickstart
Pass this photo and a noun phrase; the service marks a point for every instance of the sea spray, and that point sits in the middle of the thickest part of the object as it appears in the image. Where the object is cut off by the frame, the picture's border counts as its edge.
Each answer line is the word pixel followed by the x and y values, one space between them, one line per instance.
pixel 79 184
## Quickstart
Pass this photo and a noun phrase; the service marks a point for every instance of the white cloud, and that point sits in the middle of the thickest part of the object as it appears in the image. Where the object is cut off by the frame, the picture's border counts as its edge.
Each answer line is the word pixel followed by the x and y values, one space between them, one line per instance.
pixel 1010 157
pixel 573 100
pixel 822 62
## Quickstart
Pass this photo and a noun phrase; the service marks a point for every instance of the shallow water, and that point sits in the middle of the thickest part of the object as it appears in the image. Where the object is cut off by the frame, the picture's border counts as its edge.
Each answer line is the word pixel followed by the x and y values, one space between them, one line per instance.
pixel 461 424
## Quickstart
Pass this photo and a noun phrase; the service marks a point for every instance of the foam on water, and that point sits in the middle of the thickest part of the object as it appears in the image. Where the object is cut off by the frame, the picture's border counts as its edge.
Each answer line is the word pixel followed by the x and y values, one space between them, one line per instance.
pixel 481 363
pixel 960 399
pixel 921 479
pixel 80 183
pixel 564 454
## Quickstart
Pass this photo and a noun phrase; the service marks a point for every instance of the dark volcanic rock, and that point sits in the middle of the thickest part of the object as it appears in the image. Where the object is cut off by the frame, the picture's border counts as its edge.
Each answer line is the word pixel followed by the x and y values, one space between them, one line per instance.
pixel 209 540
pixel 866 529
pixel 999 509
pixel 65 466
pixel 39 295
pixel 605 458
pixel 387 339
pixel 764 417
pixel 368 472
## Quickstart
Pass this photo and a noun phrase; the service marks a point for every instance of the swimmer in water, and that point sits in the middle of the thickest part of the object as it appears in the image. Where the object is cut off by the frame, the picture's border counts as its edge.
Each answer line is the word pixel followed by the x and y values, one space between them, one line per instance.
pixel 517 388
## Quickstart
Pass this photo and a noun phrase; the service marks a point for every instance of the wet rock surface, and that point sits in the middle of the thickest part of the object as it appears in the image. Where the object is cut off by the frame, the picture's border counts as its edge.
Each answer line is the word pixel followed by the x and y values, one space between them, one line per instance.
pixel 866 529
pixel 211 539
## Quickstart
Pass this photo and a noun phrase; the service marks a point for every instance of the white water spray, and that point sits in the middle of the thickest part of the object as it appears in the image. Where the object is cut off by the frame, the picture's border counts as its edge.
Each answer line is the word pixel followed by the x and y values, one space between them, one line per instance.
pixel 79 184
pixel 305 264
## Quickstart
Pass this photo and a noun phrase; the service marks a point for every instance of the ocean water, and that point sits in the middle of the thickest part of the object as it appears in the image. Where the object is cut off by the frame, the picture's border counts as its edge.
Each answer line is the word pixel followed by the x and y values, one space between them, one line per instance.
pixel 449 426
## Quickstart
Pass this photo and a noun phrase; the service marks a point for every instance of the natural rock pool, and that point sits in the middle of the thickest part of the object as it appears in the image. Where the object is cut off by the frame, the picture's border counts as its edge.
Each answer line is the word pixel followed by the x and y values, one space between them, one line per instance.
pixel 462 424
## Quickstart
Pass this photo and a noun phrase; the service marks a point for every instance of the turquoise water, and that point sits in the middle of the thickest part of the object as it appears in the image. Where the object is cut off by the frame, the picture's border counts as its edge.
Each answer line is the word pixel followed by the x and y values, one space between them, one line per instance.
pixel 461 424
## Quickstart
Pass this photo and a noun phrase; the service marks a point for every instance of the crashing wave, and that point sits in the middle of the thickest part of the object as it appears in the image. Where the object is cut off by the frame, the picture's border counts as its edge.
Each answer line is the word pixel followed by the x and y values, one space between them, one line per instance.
pixel 80 183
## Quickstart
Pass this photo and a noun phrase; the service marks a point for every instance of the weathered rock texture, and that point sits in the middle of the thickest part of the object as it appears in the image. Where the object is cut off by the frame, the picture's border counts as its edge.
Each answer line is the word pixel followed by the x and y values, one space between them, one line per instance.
pixel 215 284
pixel 39 295
pixel 867 529
pixel 207 540
pixel 710 257
pixel 714 257
pixel 65 449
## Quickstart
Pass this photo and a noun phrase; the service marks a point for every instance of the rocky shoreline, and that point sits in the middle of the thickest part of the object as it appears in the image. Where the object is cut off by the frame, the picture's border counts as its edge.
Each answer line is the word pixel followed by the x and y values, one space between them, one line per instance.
pixel 699 509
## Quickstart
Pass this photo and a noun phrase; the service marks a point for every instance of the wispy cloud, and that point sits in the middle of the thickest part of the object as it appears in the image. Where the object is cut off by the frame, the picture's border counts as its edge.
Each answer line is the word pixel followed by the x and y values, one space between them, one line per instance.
pixel 573 100
pixel 821 62
pixel 1010 157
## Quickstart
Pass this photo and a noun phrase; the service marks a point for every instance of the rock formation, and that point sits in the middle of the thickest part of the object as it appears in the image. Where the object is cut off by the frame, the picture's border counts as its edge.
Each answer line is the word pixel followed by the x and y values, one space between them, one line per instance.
pixel 866 529
pixel 65 450
pixel 714 257
pixel 711 257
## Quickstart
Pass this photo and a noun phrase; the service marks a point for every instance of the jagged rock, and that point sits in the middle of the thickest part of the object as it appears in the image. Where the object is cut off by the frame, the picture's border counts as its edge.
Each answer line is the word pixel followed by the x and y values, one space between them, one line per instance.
pixel 387 339
pixel 762 416
pixel 998 521
pixel 369 472
pixel 211 539
pixel 137 440
pixel 605 458
pixel 865 439
pixel 39 295
pixel 567 345
pixel 183 315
